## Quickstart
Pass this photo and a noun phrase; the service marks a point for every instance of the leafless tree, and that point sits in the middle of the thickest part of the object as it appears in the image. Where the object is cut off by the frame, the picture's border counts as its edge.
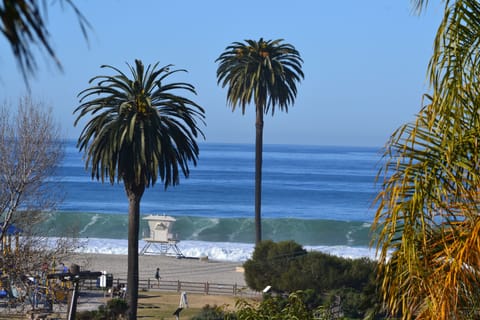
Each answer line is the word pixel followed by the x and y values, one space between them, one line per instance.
pixel 30 150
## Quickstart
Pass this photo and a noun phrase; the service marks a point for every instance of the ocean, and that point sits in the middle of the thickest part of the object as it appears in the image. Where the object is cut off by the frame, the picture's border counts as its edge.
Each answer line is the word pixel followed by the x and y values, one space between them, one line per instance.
pixel 319 196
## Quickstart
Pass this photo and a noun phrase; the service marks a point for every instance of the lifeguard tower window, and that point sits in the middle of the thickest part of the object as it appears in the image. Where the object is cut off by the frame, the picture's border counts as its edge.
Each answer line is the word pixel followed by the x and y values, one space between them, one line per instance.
pixel 161 239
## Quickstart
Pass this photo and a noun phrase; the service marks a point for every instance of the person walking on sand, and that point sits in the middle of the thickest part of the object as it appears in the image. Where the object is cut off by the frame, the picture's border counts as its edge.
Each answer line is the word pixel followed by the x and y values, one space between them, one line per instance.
pixel 157 276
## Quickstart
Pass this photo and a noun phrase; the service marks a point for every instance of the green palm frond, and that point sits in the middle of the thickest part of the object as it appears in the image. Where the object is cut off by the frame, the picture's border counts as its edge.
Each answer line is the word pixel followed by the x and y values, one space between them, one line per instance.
pixel 265 72
pixel 427 218
pixel 454 66
pixel 140 129
pixel 429 196
pixel 23 22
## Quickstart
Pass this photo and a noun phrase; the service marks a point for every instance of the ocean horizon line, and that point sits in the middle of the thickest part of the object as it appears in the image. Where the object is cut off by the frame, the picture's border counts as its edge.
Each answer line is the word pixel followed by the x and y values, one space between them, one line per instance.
pixel 273 144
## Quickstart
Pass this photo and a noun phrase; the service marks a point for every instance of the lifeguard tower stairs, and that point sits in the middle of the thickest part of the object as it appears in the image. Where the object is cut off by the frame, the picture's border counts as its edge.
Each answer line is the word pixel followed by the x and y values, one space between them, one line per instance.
pixel 161 241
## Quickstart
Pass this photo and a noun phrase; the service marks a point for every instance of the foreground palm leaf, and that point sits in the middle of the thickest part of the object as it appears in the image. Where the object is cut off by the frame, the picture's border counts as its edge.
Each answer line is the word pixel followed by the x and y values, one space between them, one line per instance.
pixel 23 22
pixel 427 220
pixel 140 130
pixel 265 72
pixel 427 223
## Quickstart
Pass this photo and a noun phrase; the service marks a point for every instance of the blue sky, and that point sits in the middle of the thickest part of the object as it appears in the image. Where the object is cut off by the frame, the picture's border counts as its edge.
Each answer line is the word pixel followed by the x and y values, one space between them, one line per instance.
pixel 365 62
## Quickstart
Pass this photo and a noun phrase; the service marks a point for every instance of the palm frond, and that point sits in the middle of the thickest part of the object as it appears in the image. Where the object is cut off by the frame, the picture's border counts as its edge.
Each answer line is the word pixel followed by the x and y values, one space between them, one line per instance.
pixel 262 72
pixel 140 129
pixel 23 23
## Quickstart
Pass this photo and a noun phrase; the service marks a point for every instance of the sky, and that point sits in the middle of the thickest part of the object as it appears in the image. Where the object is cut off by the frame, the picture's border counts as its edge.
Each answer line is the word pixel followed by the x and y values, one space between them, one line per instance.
pixel 365 62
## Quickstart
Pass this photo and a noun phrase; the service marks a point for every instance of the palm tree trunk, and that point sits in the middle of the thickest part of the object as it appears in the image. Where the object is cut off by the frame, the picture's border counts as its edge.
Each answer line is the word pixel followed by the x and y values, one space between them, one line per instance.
pixel 258 174
pixel 134 193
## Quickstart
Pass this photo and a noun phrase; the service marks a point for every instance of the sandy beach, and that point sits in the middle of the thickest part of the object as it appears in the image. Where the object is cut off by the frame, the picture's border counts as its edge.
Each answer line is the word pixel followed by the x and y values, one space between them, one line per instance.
pixel 171 268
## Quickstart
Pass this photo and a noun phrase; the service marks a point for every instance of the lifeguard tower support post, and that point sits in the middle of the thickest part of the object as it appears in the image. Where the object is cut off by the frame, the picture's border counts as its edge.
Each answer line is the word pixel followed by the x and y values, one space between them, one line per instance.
pixel 161 240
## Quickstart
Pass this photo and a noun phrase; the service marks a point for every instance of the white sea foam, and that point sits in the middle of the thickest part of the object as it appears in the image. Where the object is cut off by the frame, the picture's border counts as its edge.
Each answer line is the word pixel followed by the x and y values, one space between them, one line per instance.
pixel 90 223
pixel 222 251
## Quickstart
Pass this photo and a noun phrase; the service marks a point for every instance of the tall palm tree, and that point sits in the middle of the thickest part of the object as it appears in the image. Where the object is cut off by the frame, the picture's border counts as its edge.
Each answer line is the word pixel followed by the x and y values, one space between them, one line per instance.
pixel 265 72
pixel 427 218
pixel 22 23
pixel 140 130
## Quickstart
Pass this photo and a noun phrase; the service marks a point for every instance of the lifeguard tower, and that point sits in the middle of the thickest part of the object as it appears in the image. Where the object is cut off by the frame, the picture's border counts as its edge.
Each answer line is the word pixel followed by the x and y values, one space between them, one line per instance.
pixel 161 239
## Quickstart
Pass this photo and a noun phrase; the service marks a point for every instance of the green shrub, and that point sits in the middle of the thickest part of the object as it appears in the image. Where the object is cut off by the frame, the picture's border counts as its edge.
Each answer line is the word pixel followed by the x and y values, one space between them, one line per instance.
pixel 114 310
pixel 270 262
pixel 327 281
pixel 117 308
pixel 213 313
pixel 86 315
pixel 276 307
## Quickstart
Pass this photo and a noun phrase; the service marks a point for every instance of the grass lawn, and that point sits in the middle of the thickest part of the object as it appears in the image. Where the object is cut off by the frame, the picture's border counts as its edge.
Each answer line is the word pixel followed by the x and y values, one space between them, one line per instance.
pixel 161 305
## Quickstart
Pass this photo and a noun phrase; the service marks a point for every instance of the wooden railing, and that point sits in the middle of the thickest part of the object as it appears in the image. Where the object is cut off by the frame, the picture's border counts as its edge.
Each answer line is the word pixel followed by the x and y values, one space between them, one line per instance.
pixel 179 286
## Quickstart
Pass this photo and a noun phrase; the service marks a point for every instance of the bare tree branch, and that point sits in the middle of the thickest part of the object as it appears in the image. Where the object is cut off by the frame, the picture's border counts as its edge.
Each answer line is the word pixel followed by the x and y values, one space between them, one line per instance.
pixel 30 150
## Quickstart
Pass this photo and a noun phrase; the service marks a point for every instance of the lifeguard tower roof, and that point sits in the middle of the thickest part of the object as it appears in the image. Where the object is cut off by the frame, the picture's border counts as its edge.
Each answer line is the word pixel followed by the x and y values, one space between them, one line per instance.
pixel 159 217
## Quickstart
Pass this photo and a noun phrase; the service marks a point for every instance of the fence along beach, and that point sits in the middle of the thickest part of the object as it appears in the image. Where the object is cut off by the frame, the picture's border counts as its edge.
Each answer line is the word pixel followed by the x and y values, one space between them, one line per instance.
pixel 171 268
